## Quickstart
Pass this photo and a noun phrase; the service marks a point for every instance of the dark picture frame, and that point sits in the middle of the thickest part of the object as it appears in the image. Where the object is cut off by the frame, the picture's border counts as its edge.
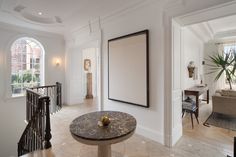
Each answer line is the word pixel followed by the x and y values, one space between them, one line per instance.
pixel 128 69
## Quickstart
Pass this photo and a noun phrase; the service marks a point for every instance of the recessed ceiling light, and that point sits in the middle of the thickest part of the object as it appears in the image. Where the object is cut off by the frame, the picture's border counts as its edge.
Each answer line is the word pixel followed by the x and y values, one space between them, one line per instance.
pixel 40 13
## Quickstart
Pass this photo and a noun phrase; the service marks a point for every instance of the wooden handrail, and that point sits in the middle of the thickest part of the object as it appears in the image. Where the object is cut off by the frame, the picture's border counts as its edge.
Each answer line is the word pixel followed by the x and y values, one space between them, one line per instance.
pixel 48 86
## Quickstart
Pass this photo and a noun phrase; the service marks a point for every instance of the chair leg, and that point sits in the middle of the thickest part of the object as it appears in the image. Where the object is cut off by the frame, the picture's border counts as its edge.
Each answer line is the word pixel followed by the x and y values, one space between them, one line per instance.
pixel 196 117
pixel 192 119
pixel 183 113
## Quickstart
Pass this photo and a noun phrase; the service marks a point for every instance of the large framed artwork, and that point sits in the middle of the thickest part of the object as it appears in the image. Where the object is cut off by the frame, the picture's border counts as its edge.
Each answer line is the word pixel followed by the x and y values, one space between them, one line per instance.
pixel 128 69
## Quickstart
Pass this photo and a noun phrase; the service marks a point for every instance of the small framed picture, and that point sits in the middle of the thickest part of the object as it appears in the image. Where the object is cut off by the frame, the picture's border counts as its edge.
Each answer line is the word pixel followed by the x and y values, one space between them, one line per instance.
pixel 87 64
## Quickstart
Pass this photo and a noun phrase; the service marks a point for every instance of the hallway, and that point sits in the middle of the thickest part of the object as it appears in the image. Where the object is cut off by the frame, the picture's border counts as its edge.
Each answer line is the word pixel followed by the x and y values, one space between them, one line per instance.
pixel 200 142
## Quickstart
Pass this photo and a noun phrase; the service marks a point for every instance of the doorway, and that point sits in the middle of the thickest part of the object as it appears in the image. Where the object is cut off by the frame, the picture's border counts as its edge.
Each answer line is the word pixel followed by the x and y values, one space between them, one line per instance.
pixel 173 71
pixel 90 72
pixel 174 111
pixel 86 47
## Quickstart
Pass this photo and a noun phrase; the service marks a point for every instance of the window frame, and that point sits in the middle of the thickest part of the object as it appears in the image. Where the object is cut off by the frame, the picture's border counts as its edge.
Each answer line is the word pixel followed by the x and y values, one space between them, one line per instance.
pixel 229 45
pixel 9 93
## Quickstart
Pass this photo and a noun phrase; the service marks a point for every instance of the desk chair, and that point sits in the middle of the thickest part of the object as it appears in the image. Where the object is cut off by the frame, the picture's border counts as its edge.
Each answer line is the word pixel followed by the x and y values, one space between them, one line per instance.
pixel 189 106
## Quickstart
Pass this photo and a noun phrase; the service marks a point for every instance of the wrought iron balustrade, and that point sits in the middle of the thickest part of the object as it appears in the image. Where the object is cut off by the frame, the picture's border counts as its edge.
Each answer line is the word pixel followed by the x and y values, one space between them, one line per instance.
pixel 40 103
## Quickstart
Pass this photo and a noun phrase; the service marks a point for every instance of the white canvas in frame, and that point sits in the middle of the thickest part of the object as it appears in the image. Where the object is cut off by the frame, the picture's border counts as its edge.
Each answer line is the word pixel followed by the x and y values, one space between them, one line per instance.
pixel 128 69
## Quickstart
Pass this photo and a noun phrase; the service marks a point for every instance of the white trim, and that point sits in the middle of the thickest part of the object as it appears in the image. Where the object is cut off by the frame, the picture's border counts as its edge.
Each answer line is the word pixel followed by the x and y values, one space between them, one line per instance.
pixel 225 34
pixel 151 134
pixel 7 63
pixel 168 79
pixel 208 14
pixel 176 134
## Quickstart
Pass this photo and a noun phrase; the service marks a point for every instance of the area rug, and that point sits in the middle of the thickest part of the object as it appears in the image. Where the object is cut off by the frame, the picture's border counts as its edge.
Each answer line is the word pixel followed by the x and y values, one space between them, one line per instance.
pixel 221 120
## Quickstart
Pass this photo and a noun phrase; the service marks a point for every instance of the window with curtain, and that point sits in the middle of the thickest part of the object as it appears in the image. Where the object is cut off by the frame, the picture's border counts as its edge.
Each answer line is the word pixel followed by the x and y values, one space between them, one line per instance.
pixel 230 48
pixel 27 65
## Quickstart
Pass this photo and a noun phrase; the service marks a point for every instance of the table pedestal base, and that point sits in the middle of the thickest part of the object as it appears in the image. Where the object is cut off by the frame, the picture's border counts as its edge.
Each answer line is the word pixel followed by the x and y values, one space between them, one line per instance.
pixel 104 150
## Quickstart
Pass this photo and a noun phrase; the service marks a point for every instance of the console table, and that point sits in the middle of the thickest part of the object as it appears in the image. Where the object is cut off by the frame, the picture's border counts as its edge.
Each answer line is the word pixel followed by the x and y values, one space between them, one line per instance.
pixel 85 129
pixel 197 91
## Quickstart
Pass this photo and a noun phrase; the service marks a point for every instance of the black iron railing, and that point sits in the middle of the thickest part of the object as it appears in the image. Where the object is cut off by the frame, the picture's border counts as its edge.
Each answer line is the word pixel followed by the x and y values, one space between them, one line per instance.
pixel 54 92
pixel 40 103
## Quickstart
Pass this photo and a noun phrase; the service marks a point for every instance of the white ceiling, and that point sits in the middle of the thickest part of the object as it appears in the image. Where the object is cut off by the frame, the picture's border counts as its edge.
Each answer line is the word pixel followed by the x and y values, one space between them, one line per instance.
pixel 223 24
pixel 217 29
pixel 59 15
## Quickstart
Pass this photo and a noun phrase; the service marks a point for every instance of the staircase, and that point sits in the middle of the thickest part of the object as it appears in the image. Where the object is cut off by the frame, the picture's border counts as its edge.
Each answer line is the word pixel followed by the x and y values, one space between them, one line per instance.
pixel 40 103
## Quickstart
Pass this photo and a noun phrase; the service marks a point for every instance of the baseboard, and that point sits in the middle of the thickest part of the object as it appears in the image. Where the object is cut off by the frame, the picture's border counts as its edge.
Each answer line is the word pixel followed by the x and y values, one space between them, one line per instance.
pixel 151 134
pixel 176 134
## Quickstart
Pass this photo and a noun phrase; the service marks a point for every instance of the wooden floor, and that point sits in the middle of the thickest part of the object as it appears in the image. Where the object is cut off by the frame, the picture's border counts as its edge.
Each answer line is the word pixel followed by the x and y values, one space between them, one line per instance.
pixel 217 138
pixel 198 142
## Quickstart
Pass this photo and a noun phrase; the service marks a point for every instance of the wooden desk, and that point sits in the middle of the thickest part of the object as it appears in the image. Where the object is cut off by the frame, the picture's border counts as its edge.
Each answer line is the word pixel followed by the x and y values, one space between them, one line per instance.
pixel 197 91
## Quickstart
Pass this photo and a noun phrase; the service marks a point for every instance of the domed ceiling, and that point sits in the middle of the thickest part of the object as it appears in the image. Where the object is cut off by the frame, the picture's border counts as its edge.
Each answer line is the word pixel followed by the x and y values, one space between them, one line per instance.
pixel 59 15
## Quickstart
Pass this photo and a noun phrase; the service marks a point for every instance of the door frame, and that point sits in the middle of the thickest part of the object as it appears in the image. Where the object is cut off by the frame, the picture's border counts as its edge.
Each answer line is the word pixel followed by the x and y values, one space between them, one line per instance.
pixel 226 9
pixel 92 44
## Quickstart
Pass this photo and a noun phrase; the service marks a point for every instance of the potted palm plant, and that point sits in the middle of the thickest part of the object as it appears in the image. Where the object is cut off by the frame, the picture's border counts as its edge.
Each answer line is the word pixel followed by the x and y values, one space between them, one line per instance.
pixel 223 64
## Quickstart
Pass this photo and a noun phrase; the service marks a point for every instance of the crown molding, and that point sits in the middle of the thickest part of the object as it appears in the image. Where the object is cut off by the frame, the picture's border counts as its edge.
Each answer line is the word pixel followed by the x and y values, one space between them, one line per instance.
pixel 225 34
pixel 112 16
pixel 222 10
pixel 19 29
pixel 21 22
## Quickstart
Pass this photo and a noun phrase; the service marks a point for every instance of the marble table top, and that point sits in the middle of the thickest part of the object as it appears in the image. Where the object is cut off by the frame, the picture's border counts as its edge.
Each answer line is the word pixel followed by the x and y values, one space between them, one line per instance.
pixel 86 126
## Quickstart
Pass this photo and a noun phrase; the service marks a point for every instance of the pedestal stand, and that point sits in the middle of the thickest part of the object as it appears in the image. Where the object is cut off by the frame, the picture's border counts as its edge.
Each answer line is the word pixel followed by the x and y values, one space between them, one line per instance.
pixel 89 86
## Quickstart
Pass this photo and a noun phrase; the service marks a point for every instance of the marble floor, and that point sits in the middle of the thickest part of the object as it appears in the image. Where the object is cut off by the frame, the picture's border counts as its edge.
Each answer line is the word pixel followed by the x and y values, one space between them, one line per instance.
pixel 198 142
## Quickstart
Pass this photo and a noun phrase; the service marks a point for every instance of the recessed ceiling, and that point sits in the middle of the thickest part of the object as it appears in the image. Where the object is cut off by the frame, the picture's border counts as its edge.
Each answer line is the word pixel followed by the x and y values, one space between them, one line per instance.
pixel 223 24
pixel 61 14
pixel 221 28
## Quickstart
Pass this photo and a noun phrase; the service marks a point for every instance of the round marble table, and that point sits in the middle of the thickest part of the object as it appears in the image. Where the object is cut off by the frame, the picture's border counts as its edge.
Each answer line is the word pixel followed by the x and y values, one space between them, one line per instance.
pixel 85 129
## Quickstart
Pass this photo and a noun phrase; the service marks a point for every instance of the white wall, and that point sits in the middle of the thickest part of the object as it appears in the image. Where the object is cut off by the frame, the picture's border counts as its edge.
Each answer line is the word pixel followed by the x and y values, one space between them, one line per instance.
pixel 210 49
pixel 150 120
pixel 74 85
pixel 192 50
pixel 12 113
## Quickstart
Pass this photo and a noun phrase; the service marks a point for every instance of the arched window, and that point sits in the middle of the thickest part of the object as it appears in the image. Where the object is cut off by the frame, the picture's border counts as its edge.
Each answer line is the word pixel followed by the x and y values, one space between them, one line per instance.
pixel 27 65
